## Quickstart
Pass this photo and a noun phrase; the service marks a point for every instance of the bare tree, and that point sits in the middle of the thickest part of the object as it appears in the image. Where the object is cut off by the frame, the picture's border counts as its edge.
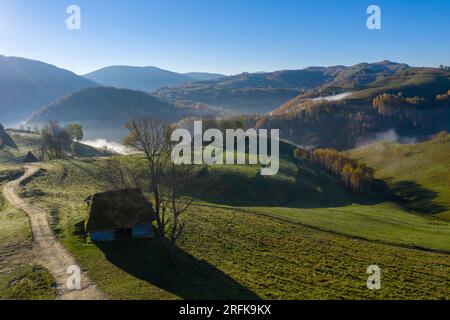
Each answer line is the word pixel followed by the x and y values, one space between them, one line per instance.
pixel 151 137
pixel 54 141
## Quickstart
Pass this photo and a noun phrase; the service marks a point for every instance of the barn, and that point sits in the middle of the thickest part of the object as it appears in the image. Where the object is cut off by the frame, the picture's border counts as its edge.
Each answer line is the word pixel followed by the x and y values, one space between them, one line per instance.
pixel 119 215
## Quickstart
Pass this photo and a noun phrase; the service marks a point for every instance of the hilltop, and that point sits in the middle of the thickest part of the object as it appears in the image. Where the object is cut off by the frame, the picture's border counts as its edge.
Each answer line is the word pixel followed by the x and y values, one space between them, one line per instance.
pixel 145 78
pixel 26 85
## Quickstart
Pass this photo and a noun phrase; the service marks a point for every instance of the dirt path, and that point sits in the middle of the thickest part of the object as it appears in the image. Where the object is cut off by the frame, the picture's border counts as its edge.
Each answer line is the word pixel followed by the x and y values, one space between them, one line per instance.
pixel 47 251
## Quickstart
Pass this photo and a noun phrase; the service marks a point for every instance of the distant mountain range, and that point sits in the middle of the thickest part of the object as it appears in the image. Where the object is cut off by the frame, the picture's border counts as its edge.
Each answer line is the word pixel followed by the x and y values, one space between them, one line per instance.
pixel 26 85
pixel 145 78
pixel 316 106
pixel 263 92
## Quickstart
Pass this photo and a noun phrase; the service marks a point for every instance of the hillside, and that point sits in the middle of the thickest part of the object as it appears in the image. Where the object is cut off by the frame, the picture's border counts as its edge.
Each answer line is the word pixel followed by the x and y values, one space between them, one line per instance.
pixel 5 139
pixel 42 83
pixel 353 119
pixel 144 78
pixel 247 92
pixel 103 111
pixel 232 251
pixel 264 92
pixel 423 82
pixel 355 77
pixel 417 173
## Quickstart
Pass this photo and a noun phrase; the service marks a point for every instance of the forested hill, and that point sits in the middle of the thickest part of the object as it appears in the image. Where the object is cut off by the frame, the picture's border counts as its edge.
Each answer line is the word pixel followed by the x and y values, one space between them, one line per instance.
pixel 263 92
pixel 103 111
pixel 412 104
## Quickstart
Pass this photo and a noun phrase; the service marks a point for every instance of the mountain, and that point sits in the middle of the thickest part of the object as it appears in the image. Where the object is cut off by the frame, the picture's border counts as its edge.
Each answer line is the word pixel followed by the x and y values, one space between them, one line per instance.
pixel 144 78
pixel 26 85
pixel 411 104
pixel 247 92
pixel 5 139
pixel 264 91
pixel 357 76
pixel 204 76
pixel 103 111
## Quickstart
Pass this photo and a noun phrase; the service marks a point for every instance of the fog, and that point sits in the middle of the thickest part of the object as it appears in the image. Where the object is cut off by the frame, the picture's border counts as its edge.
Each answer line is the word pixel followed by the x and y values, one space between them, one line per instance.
pixel 389 136
pixel 110 145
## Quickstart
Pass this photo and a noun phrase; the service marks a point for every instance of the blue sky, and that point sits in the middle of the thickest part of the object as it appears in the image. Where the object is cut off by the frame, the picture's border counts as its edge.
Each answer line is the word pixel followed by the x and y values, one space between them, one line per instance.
pixel 226 36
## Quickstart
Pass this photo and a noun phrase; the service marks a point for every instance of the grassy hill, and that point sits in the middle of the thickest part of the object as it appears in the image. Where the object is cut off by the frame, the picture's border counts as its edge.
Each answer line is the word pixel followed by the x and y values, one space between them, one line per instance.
pixel 418 173
pixel 231 252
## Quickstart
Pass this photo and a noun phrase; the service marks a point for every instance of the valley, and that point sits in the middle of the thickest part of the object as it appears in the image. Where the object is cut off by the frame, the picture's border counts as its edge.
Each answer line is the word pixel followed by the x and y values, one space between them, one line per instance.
pixel 303 233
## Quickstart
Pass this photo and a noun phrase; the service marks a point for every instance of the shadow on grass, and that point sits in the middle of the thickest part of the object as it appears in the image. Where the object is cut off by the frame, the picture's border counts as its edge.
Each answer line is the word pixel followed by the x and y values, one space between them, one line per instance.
pixel 310 191
pixel 183 274
pixel 415 197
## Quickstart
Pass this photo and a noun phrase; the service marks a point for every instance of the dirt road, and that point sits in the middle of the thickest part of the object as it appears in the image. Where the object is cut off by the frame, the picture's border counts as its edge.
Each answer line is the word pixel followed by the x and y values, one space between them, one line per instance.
pixel 47 251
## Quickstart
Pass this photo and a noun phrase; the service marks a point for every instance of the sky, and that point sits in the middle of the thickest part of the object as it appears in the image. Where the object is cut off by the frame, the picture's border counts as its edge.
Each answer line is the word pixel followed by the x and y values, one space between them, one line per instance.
pixel 225 36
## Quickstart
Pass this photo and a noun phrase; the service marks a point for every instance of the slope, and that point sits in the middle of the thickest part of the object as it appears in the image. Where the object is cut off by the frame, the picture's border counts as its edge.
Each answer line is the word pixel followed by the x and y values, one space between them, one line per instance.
pixel 418 173
pixel 42 83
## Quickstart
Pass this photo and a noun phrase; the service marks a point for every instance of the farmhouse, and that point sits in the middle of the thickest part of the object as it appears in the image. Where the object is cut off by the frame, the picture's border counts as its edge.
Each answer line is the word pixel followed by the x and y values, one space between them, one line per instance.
pixel 119 214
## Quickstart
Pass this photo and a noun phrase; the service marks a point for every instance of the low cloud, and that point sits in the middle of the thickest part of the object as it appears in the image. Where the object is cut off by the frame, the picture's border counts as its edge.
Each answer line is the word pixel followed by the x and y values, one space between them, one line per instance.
pixel 386 136
pixel 110 145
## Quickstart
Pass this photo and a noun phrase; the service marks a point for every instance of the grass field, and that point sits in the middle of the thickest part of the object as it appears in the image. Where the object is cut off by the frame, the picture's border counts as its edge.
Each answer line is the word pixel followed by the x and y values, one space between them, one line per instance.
pixel 419 173
pixel 384 222
pixel 27 282
pixel 235 253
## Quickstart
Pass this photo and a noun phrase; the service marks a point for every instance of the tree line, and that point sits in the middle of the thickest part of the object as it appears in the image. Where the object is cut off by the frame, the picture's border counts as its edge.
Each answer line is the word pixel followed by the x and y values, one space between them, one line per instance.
pixel 386 102
pixel 353 174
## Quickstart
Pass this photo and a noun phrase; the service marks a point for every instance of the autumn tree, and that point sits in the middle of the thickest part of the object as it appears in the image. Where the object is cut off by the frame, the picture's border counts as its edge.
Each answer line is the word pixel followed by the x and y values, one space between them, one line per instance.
pixel 441 137
pixel 353 174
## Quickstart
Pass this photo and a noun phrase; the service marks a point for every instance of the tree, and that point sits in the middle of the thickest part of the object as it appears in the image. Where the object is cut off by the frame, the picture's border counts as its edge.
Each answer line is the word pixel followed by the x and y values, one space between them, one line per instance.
pixel 441 137
pixel 151 137
pixel 75 131
pixel 54 141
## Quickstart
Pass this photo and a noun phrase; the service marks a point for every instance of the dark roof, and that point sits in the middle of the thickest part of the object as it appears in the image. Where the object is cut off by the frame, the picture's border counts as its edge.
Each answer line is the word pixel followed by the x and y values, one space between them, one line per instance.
pixel 30 158
pixel 116 209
